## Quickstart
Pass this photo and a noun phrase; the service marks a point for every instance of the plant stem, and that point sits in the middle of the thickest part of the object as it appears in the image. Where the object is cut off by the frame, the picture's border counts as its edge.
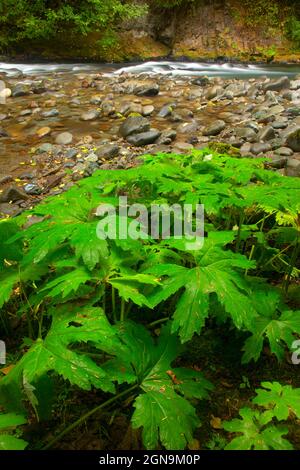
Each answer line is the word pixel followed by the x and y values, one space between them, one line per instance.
pixel 157 322
pixel 122 316
pixel 113 303
pixel 238 240
pixel 291 267
pixel 250 257
pixel 86 416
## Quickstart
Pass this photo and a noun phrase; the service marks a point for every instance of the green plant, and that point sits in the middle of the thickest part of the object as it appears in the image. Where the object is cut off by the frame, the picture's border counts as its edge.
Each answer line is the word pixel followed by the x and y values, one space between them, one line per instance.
pixel 257 428
pixel 25 20
pixel 8 437
pixel 91 304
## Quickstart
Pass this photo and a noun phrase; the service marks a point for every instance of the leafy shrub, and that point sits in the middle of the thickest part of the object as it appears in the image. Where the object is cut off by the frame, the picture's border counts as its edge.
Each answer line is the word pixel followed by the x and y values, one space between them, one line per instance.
pixel 80 294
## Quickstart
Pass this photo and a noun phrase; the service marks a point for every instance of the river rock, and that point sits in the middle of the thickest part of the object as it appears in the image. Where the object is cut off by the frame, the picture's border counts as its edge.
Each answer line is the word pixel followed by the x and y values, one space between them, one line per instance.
pixel 258 148
pixel 108 151
pixel 165 111
pixel 9 209
pixel 5 179
pixel 188 127
pixel 215 128
pixel 2 85
pixel 278 85
pixel 292 137
pixel 134 125
pixel 167 137
pixel 213 92
pixel 284 151
pixel 3 132
pixel 246 133
pixel 201 81
pixel 39 87
pixel 90 115
pixel 5 93
pixel 147 110
pixel 278 162
pixel 33 189
pixel 51 113
pixel 147 90
pixel 64 138
pixel 267 133
pixel 144 138
pixel 20 89
pixel 293 167
pixel 280 124
pixel 43 131
pixel 44 148
pixel 13 194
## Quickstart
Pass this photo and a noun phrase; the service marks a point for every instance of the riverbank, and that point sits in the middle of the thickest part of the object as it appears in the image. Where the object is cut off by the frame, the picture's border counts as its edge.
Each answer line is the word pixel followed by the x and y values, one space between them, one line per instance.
pixel 58 127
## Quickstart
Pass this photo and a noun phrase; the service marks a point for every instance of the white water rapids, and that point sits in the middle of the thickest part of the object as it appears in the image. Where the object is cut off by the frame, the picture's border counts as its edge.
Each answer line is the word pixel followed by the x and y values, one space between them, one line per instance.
pixel 225 70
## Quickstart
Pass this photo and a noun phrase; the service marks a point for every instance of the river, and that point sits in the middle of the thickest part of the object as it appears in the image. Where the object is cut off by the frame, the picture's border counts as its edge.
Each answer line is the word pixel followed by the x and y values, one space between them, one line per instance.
pixel 224 70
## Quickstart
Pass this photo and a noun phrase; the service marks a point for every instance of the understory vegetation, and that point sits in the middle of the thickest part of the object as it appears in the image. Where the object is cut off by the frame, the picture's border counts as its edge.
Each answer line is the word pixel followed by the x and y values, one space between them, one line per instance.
pixel 27 22
pixel 116 321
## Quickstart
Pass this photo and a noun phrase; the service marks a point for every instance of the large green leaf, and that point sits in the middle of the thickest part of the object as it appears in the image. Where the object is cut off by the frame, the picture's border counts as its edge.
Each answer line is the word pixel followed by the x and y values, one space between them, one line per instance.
pixel 279 399
pixel 8 422
pixel 217 272
pixel 163 410
pixel 70 325
pixel 279 333
pixel 254 433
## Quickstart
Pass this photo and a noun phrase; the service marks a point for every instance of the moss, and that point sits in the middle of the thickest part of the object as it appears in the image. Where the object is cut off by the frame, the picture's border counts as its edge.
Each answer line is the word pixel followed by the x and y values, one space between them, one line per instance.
pixel 223 148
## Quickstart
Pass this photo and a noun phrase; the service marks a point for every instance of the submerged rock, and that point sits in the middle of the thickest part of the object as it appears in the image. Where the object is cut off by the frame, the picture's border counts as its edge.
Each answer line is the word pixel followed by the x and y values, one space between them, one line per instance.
pixel 64 138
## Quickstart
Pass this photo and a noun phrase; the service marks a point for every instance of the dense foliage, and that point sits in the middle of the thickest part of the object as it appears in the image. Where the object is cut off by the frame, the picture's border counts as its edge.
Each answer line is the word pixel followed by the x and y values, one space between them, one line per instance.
pixel 116 315
pixel 41 19
pixel 24 20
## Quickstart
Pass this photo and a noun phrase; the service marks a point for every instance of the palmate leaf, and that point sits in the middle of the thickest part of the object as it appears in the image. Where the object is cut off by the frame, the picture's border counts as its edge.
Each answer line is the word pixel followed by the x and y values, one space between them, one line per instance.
pixel 70 325
pixel 67 283
pixel 254 434
pixel 218 272
pixel 129 287
pixel 8 422
pixel 8 280
pixel 279 332
pixel 10 277
pixel 88 246
pixel 162 410
pixel 279 399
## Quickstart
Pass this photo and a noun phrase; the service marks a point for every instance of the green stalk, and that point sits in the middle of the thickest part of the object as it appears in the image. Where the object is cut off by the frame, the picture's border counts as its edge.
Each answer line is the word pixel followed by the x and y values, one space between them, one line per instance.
pixel 86 416
pixel 157 322
pixel 250 257
pixel 291 267
pixel 113 302
pixel 122 316
pixel 238 241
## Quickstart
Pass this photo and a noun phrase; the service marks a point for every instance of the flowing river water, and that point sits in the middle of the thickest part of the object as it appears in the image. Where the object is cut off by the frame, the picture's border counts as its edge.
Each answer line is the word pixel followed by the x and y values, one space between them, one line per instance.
pixel 224 70
pixel 90 102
